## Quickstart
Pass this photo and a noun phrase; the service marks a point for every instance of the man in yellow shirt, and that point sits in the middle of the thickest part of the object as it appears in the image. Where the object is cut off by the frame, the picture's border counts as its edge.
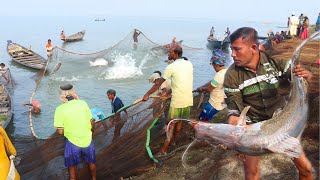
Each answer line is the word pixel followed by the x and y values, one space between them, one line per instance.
pixel 181 74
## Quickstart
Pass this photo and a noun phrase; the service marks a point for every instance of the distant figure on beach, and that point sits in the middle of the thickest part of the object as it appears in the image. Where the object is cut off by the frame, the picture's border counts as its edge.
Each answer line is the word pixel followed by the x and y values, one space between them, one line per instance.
pixel 294 22
pixel 288 22
pixel 73 119
pixel 62 35
pixel 305 32
pixel 135 38
pixel 3 71
pixel 35 106
pixel 300 26
pixel 318 23
pixel 49 48
pixel 7 153
pixel 116 104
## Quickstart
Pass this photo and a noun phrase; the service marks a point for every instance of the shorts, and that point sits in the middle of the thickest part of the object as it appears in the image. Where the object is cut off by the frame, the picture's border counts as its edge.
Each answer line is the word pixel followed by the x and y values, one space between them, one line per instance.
pixel 207 113
pixel 73 153
pixel 176 113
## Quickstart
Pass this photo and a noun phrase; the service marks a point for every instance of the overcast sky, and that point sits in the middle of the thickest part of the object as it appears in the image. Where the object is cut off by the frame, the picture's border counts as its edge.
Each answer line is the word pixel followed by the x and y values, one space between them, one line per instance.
pixel 251 10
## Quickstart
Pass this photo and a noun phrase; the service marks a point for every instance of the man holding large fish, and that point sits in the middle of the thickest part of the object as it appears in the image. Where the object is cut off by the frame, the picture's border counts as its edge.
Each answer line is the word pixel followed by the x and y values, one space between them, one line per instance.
pixel 254 80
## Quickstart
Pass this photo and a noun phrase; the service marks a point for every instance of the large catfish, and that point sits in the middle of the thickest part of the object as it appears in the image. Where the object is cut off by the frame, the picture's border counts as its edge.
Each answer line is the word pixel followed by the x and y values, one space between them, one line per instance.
pixel 281 134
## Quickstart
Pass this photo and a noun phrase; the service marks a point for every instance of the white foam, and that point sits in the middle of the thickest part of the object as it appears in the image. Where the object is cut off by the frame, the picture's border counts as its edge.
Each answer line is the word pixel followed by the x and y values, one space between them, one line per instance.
pixel 99 62
pixel 71 79
pixel 124 67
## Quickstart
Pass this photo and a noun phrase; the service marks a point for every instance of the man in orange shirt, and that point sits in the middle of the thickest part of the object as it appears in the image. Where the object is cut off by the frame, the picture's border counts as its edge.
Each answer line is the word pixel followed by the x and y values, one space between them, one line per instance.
pixel 49 48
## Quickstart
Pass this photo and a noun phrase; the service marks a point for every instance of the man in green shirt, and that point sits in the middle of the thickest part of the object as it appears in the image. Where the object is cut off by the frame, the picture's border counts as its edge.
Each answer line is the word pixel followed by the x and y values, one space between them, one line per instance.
pixel 73 119
pixel 254 80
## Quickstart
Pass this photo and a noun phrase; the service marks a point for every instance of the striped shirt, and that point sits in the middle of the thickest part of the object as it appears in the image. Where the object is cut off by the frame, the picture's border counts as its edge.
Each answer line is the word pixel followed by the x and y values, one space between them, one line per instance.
pixel 259 89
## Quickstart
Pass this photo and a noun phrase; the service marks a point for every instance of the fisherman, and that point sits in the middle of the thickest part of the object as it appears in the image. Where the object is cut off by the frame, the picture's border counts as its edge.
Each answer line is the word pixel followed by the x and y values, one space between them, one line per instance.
pixel 212 32
pixel 135 38
pixel 215 87
pixel 49 48
pixel 97 115
pixel 181 74
pixel 62 35
pixel 35 106
pixel 116 104
pixel 254 80
pixel 7 152
pixel 3 71
pixel 165 87
pixel 73 119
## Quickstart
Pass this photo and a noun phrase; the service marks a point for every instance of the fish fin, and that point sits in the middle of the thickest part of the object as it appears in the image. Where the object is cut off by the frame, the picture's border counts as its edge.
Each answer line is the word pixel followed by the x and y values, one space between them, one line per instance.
pixel 243 116
pixel 289 145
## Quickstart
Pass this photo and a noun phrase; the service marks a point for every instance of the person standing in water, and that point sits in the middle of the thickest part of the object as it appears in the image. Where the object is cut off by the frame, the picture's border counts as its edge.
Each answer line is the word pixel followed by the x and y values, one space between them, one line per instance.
pixel 136 33
pixel 73 119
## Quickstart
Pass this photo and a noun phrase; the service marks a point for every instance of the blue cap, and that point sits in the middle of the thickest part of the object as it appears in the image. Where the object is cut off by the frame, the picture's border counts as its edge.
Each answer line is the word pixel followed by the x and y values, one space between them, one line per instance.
pixel 218 57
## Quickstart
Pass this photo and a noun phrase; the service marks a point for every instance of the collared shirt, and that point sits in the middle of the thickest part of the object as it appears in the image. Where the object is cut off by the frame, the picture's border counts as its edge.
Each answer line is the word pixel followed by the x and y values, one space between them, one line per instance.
pixel 74 117
pixel 259 89
pixel 181 74
pixel 217 94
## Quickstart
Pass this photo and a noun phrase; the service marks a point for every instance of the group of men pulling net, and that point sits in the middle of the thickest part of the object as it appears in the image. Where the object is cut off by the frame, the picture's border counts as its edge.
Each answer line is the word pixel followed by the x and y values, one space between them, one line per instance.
pixel 116 157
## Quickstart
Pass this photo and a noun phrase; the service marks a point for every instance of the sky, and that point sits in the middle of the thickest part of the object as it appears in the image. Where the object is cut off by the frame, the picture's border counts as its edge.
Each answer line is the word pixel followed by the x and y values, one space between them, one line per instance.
pixel 250 10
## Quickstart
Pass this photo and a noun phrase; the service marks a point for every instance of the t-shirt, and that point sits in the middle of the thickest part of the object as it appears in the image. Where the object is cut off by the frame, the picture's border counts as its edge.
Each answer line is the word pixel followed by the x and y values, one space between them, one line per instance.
pixel 260 89
pixel 181 74
pixel 74 117
pixel 217 94
pixel 116 104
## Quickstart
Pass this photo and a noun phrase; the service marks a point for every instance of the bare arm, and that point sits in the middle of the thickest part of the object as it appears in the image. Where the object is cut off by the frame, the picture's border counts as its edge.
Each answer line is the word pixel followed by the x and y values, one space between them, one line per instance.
pixel 153 89
pixel 208 87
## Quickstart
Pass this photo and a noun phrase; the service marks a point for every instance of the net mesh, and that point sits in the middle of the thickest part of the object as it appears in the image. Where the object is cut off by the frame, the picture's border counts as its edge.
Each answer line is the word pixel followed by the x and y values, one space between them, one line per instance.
pixel 121 149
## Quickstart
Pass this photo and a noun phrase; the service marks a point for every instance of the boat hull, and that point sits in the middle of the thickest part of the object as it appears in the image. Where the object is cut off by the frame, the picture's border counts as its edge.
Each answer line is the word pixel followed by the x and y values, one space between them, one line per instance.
pixel 24 56
pixel 6 110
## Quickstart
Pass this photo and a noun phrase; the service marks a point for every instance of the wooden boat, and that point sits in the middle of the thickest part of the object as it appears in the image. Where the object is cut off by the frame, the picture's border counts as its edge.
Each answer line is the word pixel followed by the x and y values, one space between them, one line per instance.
pixel 6 111
pixel 25 56
pixel 74 37
pixel 165 48
pixel 100 19
pixel 214 43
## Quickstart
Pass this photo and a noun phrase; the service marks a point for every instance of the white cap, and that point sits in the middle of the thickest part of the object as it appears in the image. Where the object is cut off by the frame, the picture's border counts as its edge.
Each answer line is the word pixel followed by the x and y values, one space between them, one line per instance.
pixel 293 13
pixel 153 77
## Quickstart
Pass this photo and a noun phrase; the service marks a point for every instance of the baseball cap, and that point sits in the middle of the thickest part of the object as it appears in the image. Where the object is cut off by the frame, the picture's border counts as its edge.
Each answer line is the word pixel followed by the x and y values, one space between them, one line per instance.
pixel 218 57
pixel 153 77
pixel 66 87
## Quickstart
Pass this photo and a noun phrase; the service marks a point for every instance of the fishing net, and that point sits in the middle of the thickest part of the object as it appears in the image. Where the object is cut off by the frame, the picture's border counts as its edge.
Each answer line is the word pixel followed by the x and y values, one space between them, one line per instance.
pixel 121 149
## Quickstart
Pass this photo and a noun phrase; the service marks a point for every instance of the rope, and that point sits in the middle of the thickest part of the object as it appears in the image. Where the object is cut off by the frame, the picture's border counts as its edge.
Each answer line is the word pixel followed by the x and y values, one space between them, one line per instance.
pixel 31 98
pixel 162 45
pixel 148 133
